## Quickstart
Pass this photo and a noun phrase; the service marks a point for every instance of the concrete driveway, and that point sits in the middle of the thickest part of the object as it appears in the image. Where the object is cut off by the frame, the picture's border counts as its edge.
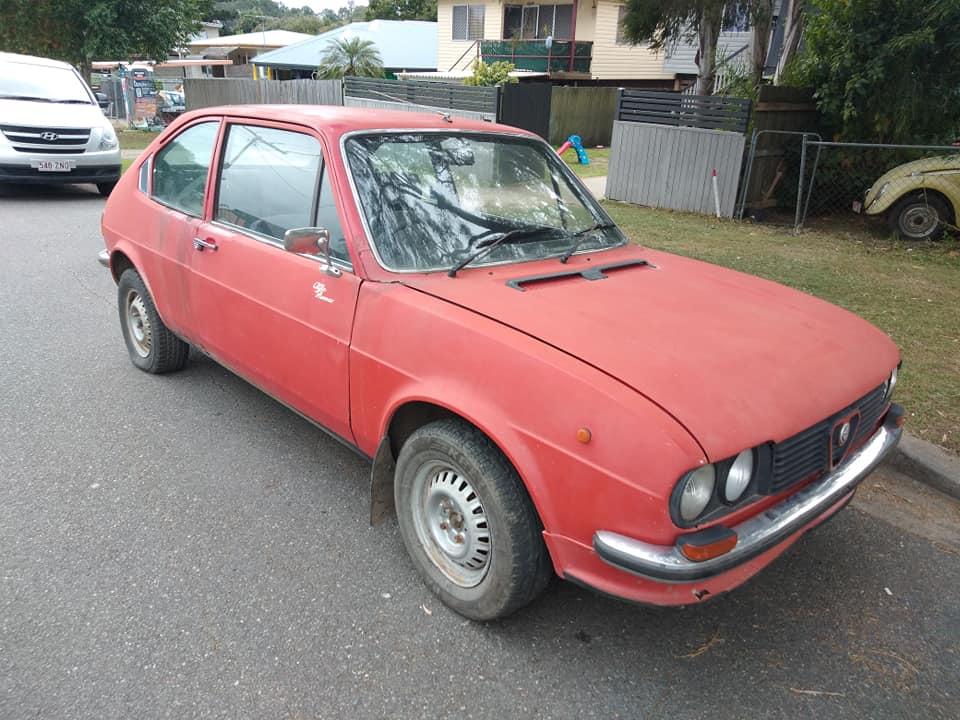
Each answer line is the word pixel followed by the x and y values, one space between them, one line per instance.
pixel 184 547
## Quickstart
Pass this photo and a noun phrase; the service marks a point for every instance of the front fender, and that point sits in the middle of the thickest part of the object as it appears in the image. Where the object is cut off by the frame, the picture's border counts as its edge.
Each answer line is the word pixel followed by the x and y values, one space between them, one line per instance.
pixel 946 184
pixel 530 400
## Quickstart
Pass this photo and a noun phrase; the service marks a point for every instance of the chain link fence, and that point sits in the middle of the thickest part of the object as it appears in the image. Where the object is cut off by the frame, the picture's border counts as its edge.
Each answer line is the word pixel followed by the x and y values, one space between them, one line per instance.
pixel 774 176
pixel 915 189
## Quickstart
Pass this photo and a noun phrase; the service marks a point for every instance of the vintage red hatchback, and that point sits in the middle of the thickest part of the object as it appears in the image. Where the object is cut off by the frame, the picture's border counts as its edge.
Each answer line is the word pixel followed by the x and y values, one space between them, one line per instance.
pixel 537 394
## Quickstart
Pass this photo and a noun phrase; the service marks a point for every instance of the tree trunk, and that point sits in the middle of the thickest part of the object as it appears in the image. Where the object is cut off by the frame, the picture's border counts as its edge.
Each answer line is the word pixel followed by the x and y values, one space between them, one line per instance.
pixel 761 24
pixel 791 37
pixel 711 20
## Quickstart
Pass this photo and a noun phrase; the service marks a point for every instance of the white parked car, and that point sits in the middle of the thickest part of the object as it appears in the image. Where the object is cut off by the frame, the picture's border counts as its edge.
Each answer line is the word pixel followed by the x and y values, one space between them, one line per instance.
pixel 51 128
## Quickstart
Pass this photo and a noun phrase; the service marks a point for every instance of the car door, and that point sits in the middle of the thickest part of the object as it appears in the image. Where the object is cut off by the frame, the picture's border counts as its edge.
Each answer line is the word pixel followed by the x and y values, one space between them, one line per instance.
pixel 172 187
pixel 279 319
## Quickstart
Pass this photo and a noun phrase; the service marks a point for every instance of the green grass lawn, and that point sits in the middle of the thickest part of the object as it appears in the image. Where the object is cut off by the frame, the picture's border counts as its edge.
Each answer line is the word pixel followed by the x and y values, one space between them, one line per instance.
pixel 124 164
pixel 910 290
pixel 599 159
pixel 135 139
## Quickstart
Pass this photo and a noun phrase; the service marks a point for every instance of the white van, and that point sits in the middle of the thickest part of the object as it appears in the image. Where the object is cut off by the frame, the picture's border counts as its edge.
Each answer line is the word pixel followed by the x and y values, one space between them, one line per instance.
pixel 51 128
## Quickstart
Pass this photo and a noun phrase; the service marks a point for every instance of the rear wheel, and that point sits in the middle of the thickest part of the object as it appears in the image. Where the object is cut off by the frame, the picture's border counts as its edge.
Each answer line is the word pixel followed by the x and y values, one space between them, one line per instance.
pixel 919 217
pixel 468 523
pixel 152 347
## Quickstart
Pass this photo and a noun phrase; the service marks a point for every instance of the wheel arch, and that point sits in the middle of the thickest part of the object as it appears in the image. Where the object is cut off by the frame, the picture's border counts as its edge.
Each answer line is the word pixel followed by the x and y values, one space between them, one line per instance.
pixel 120 262
pixel 921 192
pixel 407 416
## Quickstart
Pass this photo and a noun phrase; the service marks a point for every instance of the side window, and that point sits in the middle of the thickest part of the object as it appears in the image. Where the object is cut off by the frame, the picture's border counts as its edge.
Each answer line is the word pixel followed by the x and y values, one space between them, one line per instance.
pixel 268 180
pixel 180 168
pixel 328 218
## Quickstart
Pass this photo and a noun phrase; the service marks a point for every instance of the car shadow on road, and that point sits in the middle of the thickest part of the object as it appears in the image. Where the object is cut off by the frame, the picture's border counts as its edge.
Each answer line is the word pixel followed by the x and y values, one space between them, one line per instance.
pixel 47 193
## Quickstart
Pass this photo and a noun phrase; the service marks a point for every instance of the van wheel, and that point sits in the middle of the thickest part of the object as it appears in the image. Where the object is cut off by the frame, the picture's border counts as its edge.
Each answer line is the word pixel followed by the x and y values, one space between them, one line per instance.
pixel 468 523
pixel 919 217
pixel 106 188
pixel 152 347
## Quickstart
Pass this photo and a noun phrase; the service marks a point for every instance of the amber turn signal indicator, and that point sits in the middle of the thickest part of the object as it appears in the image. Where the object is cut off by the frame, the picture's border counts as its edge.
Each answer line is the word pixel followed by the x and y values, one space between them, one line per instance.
pixel 707 544
pixel 584 435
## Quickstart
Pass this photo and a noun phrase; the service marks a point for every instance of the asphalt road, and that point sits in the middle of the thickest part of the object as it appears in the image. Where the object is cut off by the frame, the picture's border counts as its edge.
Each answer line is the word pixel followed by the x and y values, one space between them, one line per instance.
pixel 185 547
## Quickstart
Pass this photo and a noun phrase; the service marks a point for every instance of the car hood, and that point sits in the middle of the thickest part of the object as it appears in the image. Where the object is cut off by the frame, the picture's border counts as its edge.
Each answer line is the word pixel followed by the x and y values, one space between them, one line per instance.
pixel 942 163
pixel 735 359
pixel 42 114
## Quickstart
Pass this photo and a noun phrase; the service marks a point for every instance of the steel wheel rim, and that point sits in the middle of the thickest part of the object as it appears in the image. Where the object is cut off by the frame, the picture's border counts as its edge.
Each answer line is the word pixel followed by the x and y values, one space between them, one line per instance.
pixel 138 324
pixel 451 523
pixel 918 221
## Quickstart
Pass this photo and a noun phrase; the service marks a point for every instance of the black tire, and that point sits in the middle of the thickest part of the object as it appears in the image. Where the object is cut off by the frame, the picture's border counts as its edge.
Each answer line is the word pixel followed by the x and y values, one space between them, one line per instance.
pixel 517 565
pixel 921 216
pixel 151 345
pixel 106 188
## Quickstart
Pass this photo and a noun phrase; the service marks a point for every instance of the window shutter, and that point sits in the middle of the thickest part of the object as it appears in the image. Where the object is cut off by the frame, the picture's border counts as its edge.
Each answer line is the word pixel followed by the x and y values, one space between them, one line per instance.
pixel 459 22
pixel 475 23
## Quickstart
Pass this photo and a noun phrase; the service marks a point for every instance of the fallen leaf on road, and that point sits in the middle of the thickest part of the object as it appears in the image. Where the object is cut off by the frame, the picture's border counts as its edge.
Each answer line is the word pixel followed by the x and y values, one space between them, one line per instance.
pixel 703 648
pixel 427 610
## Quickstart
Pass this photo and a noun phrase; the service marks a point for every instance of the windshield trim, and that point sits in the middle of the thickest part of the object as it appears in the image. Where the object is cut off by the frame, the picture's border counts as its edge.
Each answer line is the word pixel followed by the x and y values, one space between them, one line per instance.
pixel 456 131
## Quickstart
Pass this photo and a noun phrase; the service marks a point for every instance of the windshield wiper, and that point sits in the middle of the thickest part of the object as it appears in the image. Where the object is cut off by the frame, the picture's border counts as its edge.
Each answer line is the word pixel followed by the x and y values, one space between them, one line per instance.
pixel 581 235
pixel 72 102
pixel 485 246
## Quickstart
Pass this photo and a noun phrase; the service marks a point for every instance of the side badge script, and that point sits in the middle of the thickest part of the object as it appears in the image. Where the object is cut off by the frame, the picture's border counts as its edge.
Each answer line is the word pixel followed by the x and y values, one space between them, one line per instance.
pixel 320 292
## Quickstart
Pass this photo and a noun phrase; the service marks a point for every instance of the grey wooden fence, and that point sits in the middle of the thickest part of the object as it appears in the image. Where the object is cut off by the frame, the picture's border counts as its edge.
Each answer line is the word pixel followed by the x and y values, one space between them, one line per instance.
pixel 479 103
pixel 661 158
pixel 209 92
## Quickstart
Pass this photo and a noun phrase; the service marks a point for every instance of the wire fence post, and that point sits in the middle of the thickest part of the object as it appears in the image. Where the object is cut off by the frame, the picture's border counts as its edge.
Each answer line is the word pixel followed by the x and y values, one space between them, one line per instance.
pixel 746 179
pixel 803 168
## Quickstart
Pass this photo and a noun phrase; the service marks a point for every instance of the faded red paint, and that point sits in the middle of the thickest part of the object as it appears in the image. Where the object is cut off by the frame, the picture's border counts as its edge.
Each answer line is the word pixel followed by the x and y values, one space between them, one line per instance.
pixel 668 366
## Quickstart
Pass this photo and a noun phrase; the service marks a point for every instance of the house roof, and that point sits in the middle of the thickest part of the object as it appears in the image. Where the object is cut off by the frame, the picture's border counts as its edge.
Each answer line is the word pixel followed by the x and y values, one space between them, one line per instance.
pixel 406 44
pixel 266 38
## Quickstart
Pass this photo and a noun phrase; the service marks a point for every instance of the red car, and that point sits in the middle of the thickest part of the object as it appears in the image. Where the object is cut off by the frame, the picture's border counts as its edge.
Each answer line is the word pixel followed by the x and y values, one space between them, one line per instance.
pixel 537 394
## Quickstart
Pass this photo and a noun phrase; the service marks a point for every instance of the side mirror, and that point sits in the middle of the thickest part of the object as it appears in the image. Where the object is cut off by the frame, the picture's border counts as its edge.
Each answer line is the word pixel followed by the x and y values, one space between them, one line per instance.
pixel 311 241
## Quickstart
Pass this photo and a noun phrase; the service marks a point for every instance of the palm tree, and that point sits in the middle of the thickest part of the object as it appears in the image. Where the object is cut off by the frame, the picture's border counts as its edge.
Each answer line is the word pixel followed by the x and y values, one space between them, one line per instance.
pixel 350 57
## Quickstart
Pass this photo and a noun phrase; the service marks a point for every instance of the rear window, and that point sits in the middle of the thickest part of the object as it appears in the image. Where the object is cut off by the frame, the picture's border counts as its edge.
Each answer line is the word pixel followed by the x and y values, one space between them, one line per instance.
pixel 22 81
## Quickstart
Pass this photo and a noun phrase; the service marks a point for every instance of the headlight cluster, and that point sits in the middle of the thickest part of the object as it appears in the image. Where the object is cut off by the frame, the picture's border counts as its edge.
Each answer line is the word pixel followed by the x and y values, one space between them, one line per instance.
pixel 108 138
pixel 715 486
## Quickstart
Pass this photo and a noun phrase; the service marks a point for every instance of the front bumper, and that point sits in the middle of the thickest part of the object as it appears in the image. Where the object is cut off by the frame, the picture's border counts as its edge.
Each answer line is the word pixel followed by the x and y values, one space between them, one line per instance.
pixel 761 532
pixel 23 174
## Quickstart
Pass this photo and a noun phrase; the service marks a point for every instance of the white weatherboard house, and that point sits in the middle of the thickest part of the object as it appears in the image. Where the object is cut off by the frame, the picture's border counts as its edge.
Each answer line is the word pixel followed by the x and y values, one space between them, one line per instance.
pixel 585 42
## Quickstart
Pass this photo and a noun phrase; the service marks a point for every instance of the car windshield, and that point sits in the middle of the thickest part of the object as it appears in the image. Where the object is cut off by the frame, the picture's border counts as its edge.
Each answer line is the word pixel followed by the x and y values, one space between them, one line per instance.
pixel 430 198
pixel 40 82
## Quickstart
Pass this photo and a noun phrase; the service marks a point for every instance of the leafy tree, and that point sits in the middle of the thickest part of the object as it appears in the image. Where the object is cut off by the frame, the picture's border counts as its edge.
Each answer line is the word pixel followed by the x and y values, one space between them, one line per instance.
pixel 80 31
pixel 661 23
pixel 496 73
pixel 351 57
pixel 886 72
pixel 402 10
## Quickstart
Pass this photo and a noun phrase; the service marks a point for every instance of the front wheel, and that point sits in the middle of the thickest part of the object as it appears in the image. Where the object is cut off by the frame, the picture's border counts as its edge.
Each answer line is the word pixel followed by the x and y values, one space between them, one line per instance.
pixel 152 346
pixel 106 188
pixel 919 217
pixel 468 523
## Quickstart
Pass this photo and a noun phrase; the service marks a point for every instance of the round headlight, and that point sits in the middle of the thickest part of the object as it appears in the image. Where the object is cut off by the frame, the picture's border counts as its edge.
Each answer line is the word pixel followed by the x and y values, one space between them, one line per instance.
pixel 738 479
pixel 697 491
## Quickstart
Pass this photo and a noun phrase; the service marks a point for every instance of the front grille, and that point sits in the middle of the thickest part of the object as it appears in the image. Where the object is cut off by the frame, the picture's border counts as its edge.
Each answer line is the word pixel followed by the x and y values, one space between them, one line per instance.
pixel 807 452
pixel 59 141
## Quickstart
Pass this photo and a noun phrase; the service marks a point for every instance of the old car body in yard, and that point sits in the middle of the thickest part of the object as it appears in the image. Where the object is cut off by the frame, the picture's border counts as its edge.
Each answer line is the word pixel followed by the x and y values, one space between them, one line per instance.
pixel 539 394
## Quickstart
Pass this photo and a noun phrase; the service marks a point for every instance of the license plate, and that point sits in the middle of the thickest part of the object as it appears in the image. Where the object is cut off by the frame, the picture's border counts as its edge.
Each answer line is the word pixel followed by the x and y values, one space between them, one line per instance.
pixel 857 206
pixel 54 165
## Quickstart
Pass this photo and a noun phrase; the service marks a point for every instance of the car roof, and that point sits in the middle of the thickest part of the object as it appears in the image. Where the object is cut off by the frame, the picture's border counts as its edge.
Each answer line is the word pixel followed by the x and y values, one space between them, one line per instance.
pixel 33 60
pixel 339 120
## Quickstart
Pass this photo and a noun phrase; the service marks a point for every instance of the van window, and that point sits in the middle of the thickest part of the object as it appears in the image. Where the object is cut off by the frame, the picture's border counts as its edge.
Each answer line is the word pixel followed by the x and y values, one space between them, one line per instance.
pixel 21 81
pixel 268 180
pixel 180 168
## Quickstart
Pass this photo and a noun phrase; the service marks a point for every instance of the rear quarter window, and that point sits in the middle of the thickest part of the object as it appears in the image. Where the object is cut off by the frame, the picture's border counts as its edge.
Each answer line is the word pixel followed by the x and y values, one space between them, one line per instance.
pixel 180 168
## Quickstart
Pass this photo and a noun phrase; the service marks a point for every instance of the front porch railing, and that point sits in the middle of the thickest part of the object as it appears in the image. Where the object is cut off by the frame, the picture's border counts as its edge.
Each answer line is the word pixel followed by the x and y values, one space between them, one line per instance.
pixel 562 56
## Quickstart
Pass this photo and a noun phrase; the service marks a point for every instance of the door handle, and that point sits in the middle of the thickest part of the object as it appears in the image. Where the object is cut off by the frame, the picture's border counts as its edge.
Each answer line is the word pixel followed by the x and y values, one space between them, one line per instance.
pixel 201 244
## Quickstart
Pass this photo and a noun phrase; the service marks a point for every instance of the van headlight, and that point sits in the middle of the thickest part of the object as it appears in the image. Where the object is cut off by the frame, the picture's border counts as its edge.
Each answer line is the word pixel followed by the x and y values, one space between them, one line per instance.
pixel 108 138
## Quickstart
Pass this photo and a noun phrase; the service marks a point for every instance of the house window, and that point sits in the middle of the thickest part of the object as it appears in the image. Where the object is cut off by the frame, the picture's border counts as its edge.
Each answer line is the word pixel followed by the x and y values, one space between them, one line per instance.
pixel 736 17
pixel 468 22
pixel 536 22
pixel 621 38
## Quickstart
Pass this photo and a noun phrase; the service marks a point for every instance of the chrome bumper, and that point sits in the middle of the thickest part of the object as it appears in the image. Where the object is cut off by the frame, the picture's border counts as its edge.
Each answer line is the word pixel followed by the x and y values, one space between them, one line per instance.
pixel 759 533
pixel 103 257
